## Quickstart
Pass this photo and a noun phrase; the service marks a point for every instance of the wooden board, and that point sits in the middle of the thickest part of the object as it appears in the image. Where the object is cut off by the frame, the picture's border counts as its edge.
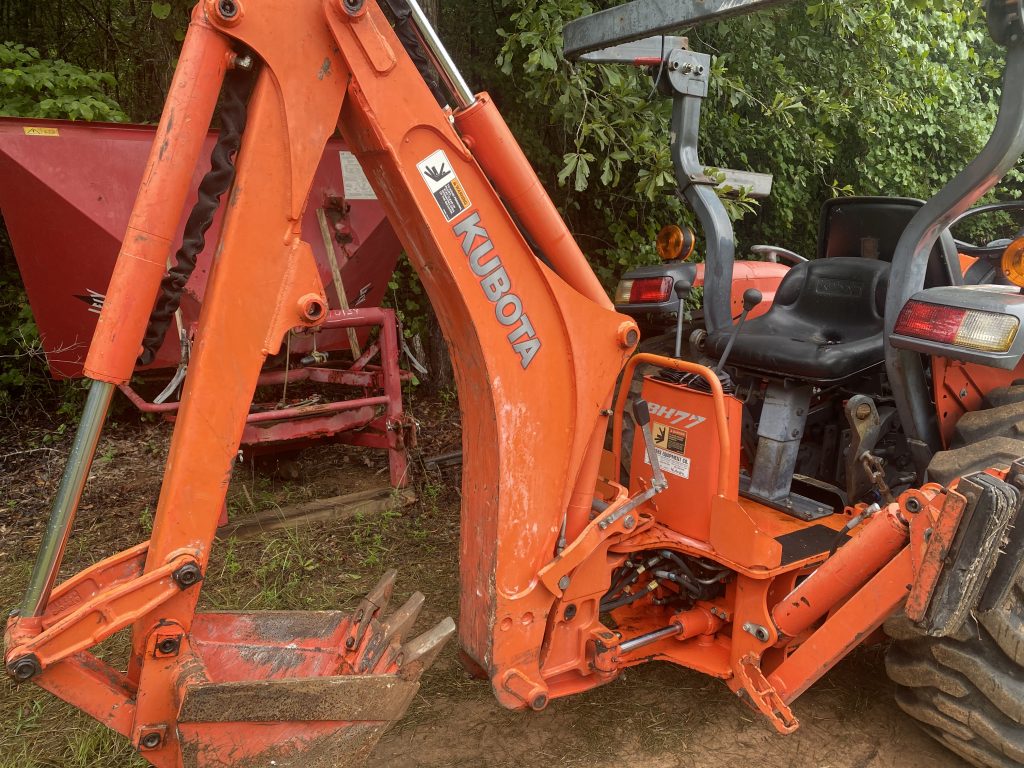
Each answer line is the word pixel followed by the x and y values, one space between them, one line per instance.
pixel 369 502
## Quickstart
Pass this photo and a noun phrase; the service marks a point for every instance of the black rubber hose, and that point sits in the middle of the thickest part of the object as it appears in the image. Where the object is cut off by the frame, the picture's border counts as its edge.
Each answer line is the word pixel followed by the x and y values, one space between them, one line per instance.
pixel 217 181
pixel 409 36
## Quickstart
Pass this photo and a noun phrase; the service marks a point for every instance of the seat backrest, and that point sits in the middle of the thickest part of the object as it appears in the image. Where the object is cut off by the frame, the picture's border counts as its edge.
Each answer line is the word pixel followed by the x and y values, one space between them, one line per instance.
pixel 843 297
pixel 870 227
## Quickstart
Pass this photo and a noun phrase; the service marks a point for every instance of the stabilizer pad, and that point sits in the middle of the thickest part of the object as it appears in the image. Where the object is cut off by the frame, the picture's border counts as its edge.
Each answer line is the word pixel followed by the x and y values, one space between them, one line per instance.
pixel 992 507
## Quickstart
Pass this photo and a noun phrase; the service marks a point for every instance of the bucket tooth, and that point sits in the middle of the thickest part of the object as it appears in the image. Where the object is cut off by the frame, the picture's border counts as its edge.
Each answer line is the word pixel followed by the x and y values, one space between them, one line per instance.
pixel 419 653
pixel 392 630
pixel 374 604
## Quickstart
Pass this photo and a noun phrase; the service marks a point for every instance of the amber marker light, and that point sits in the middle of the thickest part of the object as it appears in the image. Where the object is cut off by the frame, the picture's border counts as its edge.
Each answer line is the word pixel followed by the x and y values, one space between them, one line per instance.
pixel 1013 262
pixel 674 243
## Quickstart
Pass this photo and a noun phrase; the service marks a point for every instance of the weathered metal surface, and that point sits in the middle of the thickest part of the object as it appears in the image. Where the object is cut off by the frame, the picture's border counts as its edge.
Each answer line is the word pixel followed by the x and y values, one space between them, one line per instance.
pixel 249 745
pixel 66 198
pixel 353 698
pixel 642 18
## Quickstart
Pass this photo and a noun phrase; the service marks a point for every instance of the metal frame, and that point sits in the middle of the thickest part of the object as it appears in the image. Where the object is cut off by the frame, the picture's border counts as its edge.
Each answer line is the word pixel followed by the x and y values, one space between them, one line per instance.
pixel 642 18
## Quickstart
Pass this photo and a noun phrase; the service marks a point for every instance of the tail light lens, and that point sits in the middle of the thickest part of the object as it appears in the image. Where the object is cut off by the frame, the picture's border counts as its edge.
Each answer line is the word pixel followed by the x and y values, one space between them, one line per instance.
pixel 650 290
pixel 622 292
pixel 967 328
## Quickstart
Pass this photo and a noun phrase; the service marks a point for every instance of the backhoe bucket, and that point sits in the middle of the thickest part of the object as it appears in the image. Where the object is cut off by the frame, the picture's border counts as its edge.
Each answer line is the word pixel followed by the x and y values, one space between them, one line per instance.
pixel 303 689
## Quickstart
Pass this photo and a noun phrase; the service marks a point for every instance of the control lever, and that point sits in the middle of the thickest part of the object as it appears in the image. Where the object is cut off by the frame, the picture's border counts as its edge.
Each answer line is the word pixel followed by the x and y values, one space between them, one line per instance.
pixel 642 418
pixel 682 291
pixel 751 298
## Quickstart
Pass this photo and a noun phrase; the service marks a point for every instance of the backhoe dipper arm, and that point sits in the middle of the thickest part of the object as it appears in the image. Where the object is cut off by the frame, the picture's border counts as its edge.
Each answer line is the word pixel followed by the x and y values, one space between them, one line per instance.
pixel 535 350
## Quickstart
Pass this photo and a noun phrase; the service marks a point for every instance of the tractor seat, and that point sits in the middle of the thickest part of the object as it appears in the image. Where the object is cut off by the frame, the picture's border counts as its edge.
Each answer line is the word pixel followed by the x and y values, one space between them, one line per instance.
pixel 825 325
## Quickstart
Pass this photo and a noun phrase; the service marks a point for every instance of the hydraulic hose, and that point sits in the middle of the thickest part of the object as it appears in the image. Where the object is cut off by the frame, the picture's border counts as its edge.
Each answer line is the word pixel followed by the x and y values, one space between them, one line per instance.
pixel 217 181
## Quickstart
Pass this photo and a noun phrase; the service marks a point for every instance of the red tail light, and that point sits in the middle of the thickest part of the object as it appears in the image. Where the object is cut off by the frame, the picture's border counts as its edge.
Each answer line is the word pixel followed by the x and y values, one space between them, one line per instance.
pixel 930 321
pixel 650 290
pixel 968 328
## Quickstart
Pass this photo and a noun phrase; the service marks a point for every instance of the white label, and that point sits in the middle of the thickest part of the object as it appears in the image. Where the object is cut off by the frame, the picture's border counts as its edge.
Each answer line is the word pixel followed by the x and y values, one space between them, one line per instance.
pixel 356 185
pixel 672 463
pixel 439 176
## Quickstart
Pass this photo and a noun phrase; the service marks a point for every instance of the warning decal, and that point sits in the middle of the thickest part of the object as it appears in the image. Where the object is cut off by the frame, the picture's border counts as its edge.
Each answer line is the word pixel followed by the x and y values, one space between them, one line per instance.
pixel 671 463
pixel 669 438
pixel 443 184
pixel 357 186
pixel 35 130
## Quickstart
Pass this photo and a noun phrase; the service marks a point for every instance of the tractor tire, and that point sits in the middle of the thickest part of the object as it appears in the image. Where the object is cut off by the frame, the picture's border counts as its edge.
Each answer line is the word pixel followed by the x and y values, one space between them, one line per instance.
pixel 967 690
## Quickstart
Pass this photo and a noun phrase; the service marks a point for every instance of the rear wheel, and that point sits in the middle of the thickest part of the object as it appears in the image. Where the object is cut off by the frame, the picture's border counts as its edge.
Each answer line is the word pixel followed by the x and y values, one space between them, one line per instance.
pixel 967 690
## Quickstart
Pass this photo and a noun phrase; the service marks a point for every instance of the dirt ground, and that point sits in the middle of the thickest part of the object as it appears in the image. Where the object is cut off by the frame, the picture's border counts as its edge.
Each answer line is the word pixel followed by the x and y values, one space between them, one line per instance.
pixel 656 716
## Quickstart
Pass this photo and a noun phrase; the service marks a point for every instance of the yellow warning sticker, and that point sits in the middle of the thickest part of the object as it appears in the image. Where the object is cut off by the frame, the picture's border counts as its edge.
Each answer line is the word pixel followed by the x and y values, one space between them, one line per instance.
pixel 668 438
pixel 36 130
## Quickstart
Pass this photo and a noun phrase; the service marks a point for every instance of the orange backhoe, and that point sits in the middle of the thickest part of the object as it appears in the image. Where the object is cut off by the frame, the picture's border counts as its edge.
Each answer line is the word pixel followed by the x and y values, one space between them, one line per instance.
pixel 849 457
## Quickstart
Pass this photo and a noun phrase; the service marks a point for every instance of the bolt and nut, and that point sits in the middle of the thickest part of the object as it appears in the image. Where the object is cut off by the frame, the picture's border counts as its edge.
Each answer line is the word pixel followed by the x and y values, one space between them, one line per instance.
pixel 761 634
pixel 151 740
pixel 227 9
pixel 24 669
pixel 187 576
pixel 169 646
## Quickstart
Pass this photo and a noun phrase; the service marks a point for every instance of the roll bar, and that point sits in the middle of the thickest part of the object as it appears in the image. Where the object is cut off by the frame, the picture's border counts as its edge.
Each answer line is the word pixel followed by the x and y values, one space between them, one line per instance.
pixel 643 18
pixel 907 375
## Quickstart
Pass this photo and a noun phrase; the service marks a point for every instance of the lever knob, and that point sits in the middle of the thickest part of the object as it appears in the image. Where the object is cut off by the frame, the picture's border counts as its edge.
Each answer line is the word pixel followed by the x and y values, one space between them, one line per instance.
pixel 751 298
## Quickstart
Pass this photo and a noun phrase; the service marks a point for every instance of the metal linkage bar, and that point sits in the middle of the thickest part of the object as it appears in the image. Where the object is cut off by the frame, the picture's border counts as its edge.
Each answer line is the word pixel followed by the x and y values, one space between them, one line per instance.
pixel 438 53
pixel 65 505
pixel 642 18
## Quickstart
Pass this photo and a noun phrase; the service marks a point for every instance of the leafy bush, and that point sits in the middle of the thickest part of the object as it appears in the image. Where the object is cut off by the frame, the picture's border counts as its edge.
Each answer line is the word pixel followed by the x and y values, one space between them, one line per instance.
pixel 860 97
pixel 31 86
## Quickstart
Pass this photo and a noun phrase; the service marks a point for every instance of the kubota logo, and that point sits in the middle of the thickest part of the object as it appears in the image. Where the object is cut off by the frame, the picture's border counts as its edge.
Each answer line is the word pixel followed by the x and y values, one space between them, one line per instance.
pixel 497 286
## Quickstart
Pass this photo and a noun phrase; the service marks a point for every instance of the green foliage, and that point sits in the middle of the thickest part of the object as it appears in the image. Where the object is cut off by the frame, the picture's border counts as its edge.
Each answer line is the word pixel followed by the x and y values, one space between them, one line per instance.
pixel 136 42
pixel 407 296
pixel 31 86
pixel 860 97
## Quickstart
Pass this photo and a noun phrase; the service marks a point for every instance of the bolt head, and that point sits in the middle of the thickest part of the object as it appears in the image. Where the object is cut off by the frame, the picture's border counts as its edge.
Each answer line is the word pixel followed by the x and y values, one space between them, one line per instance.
pixel 629 522
pixel 564 582
pixel 863 411
pixel 227 9
pixel 169 646
pixel 150 740
pixel 24 669
pixel 188 575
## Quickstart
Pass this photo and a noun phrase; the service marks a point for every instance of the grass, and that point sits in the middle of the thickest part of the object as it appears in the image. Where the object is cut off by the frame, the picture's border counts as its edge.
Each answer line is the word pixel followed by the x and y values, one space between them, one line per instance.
pixel 321 566
pixel 654 715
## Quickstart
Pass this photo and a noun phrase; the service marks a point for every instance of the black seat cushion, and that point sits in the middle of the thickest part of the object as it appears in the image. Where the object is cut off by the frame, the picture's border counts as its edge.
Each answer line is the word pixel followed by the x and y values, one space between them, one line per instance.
pixel 825 324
